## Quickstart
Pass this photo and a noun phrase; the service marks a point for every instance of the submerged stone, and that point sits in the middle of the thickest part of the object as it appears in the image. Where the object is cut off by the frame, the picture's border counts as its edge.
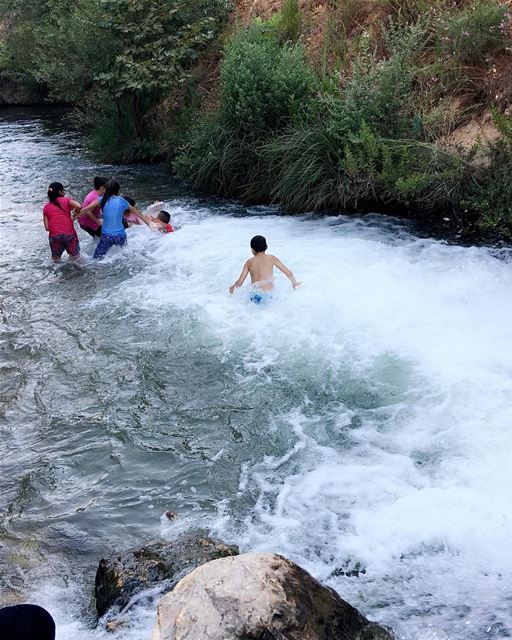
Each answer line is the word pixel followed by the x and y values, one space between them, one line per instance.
pixel 258 596
pixel 119 579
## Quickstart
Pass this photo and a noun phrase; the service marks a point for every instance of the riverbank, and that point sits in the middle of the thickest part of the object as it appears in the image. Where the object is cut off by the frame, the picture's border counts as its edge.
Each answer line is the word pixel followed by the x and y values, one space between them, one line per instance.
pixel 58 121
pixel 396 107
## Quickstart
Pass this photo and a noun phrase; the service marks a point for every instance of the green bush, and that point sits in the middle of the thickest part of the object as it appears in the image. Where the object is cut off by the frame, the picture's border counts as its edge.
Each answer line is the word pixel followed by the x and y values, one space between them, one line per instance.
pixel 489 195
pixel 115 134
pixel 215 160
pixel 474 32
pixel 263 85
pixel 314 169
pixel 380 92
pixel 290 21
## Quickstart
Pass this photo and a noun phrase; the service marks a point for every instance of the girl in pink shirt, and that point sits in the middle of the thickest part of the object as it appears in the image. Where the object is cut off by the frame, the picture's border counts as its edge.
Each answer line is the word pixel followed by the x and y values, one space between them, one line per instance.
pixel 91 221
pixel 59 224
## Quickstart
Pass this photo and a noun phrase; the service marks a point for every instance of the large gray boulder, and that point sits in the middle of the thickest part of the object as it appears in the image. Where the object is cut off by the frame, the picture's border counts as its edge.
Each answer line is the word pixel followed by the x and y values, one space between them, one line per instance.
pixel 258 596
pixel 120 578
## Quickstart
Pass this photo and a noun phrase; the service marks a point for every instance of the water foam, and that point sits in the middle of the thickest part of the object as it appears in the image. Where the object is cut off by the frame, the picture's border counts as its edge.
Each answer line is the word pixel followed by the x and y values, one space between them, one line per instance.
pixel 366 416
pixel 396 358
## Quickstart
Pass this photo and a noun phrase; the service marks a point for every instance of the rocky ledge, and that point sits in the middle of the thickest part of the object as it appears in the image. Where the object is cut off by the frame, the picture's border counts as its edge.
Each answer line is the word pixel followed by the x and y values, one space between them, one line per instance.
pixel 160 564
pixel 258 596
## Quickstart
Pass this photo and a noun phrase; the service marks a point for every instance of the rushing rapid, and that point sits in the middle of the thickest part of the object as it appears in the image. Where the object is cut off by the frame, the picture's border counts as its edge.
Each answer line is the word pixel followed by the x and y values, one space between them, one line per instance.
pixel 360 425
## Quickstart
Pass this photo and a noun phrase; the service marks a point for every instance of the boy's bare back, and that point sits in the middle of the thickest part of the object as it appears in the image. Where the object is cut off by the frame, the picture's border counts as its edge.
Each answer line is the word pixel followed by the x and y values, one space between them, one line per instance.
pixel 261 268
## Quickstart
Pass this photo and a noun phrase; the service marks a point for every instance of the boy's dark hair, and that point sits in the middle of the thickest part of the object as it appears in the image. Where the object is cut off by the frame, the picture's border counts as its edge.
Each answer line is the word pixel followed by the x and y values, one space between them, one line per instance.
pixel 259 244
pixel 164 216
pixel 99 182
pixel 129 200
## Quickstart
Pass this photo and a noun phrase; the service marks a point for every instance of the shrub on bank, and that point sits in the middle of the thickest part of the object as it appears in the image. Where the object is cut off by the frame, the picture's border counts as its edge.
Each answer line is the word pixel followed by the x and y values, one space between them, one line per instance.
pixel 488 196
pixel 264 85
pixel 475 31
pixel 313 169
pixel 280 134
pixel 215 160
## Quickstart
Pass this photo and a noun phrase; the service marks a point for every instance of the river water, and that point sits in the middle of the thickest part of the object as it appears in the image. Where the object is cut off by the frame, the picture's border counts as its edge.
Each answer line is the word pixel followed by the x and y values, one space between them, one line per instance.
pixel 360 425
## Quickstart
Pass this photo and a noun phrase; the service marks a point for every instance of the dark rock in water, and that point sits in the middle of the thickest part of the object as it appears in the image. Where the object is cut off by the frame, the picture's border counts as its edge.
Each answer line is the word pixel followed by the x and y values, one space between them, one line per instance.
pixel 119 579
pixel 258 596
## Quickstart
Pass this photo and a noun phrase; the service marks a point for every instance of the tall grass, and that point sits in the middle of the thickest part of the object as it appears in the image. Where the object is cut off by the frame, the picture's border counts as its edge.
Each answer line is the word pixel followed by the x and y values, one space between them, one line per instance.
pixel 365 137
pixel 290 21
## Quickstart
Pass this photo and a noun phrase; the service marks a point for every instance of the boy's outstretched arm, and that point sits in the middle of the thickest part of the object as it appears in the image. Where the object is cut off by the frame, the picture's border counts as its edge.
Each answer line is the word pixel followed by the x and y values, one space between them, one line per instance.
pixel 241 279
pixel 279 265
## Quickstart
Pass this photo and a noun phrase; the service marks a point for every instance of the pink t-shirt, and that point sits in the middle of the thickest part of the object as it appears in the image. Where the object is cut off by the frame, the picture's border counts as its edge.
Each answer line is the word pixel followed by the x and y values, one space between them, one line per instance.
pixel 59 218
pixel 85 221
pixel 131 218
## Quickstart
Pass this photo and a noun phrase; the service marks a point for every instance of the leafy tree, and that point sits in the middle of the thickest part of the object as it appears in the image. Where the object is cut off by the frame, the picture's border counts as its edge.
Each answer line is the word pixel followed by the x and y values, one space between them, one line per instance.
pixel 160 39
pixel 58 44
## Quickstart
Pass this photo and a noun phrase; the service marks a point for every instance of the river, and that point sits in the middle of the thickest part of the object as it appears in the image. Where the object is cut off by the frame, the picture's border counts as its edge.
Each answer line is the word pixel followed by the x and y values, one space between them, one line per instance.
pixel 362 425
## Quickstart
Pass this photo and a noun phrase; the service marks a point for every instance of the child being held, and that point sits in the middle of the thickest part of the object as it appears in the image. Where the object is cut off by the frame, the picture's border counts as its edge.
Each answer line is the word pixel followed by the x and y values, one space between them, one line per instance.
pixel 162 222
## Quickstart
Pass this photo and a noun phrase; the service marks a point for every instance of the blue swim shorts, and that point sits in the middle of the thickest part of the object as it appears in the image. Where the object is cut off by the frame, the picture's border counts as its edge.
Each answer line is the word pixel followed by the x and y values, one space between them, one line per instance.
pixel 106 242
pixel 259 297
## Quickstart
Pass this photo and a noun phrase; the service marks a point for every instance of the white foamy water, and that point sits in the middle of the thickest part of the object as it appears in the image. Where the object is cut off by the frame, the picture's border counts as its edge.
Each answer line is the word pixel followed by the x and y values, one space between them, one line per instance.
pixel 360 425
pixel 398 353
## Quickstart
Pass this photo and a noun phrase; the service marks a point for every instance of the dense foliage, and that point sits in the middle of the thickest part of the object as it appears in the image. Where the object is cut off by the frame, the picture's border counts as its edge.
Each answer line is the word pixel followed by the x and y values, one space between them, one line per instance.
pixel 369 134
pixel 114 59
pixel 362 118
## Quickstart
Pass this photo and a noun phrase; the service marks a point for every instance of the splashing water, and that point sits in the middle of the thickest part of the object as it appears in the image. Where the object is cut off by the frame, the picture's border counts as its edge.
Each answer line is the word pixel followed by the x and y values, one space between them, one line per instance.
pixel 359 425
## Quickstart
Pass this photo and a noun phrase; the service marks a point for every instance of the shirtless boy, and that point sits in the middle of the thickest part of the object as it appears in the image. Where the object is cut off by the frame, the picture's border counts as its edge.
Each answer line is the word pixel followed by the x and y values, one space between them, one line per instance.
pixel 261 268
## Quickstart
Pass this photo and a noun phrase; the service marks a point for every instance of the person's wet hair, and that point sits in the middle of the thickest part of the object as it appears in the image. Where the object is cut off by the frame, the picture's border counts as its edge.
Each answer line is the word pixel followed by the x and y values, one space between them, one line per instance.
pixel 259 244
pixel 164 216
pixel 129 200
pixel 112 188
pixel 99 182
pixel 54 192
